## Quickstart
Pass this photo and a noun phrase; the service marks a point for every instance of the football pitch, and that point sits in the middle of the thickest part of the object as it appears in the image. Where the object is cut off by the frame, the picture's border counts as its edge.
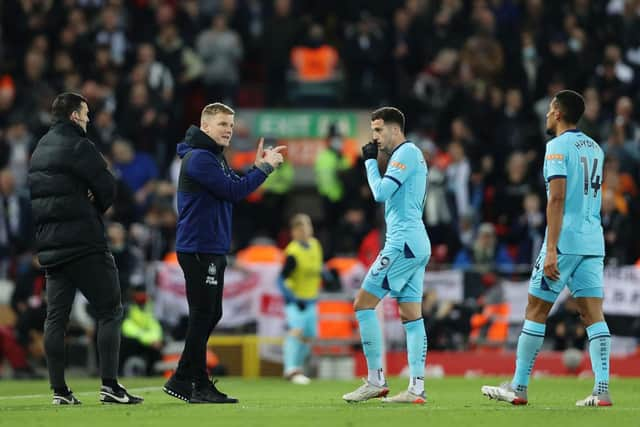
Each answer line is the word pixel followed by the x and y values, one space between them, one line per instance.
pixel 273 402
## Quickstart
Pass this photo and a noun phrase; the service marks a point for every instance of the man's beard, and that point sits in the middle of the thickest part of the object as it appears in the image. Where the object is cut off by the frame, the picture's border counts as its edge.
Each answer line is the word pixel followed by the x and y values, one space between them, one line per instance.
pixel 550 132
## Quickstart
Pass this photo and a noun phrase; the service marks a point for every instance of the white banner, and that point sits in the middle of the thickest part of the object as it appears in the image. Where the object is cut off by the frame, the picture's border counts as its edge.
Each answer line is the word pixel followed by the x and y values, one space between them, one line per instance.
pixel 622 291
pixel 239 303
pixel 240 297
pixel 170 294
pixel 448 284
pixel 516 294
pixel 270 308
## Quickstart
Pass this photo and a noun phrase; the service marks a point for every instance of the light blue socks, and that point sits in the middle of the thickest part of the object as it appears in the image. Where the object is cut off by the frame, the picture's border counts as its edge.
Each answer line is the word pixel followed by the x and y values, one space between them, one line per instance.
pixel 529 345
pixel 304 349
pixel 416 354
pixel 293 348
pixel 599 351
pixel 371 337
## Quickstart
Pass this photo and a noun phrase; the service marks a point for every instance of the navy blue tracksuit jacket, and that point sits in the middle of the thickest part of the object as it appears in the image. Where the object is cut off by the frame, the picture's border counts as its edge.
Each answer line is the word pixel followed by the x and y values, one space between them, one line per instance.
pixel 207 189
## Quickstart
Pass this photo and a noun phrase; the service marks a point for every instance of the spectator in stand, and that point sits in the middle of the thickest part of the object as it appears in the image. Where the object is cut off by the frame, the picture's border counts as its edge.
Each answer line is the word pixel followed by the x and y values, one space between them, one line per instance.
pixel 281 32
pixel 160 223
pixel 158 76
pixel 558 60
pixel 139 118
pixel 276 192
pixel 490 323
pixel 435 88
pixel 613 54
pixel 350 230
pixel 15 221
pixel 624 136
pixel 221 51
pixel 486 254
pixel 103 129
pixel 364 56
pixel 402 44
pixel 510 194
pixel 620 182
pixel 329 165
pixel 110 32
pixel 128 259
pixel 11 350
pixel 28 303
pixel 591 121
pixel 32 82
pixel 517 129
pixel 527 232
pixel 609 86
pixel 7 106
pixel 458 173
pixel 141 336
pixel 183 62
pixel 138 170
pixel 316 70
pixel 20 143
pixel 615 225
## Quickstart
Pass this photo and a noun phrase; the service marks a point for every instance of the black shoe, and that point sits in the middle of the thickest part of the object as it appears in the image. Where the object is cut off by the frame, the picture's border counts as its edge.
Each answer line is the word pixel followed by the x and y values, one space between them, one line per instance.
pixel 180 389
pixel 208 393
pixel 118 395
pixel 65 399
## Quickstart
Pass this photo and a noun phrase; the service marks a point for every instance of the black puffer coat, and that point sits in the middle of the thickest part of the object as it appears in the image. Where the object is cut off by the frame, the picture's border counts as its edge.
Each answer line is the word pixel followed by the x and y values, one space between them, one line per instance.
pixel 64 166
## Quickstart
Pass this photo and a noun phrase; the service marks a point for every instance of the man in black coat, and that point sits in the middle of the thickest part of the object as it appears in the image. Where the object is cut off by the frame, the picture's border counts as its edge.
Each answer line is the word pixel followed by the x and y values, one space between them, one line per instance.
pixel 71 188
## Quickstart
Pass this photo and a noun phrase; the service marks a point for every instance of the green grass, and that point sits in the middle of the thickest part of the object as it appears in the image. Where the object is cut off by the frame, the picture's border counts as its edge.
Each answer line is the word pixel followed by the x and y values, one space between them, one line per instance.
pixel 273 402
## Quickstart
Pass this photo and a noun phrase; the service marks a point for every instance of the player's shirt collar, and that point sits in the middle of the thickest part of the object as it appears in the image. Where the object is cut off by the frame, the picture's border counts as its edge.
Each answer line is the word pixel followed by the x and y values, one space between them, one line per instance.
pixel 574 130
pixel 399 145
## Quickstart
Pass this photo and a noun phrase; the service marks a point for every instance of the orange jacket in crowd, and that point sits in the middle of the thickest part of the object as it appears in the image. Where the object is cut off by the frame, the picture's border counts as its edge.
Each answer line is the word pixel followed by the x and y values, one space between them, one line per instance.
pixel 314 64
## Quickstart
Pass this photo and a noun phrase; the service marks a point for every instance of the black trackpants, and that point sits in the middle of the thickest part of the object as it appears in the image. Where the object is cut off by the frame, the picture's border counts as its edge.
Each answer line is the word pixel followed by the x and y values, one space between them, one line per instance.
pixel 96 276
pixel 204 275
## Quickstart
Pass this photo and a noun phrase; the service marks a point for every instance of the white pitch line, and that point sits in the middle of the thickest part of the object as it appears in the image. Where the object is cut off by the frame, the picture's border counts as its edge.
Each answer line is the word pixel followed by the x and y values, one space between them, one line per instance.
pixel 84 393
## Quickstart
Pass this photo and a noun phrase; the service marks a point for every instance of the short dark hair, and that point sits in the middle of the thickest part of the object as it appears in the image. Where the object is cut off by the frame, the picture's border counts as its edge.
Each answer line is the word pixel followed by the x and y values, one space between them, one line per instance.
pixel 389 115
pixel 65 104
pixel 570 104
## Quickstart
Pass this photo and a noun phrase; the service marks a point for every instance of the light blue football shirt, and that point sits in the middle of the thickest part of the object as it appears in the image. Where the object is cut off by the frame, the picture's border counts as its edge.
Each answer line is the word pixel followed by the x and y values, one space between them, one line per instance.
pixel 403 189
pixel 579 159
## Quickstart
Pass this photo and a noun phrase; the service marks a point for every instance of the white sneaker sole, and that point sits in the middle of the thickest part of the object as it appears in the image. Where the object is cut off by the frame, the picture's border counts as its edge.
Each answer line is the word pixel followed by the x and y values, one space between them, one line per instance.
pixel 382 393
pixel 497 393
pixel 174 394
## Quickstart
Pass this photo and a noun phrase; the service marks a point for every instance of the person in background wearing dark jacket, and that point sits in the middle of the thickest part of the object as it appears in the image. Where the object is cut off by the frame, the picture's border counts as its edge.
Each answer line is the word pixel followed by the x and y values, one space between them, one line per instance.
pixel 207 189
pixel 71 187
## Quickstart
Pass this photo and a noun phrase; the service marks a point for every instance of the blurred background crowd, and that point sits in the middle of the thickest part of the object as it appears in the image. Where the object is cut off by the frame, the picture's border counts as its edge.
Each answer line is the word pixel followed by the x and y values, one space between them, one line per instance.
pixel 474 78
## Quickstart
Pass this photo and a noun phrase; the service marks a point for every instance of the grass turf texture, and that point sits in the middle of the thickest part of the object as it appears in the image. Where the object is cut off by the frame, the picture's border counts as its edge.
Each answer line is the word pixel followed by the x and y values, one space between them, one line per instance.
pixel 273 402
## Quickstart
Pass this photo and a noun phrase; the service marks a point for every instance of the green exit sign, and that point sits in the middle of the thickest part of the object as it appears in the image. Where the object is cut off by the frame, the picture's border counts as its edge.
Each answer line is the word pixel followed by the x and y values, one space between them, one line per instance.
pixel 307 124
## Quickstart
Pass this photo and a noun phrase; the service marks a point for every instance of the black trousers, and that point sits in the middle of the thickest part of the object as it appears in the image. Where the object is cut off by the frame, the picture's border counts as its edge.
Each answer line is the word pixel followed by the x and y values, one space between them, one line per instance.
pixel 96 276
pixel 204 275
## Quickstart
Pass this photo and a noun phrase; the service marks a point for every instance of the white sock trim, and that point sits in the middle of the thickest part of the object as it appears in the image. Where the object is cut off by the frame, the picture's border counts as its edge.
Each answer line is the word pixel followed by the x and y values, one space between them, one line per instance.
pixel 376 377
pixel 416 385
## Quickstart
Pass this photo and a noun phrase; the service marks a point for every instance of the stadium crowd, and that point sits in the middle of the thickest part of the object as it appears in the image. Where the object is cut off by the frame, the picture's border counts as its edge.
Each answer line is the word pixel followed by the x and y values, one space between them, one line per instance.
pixel 474 79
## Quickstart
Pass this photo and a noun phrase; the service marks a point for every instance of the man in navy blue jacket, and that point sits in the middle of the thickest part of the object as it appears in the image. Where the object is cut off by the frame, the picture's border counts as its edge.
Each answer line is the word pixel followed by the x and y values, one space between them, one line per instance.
pixel 207 189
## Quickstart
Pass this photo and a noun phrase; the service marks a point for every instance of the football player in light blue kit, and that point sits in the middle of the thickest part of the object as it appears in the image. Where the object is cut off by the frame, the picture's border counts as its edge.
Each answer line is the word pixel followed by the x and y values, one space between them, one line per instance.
pixel 572 253
pixel 400 266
